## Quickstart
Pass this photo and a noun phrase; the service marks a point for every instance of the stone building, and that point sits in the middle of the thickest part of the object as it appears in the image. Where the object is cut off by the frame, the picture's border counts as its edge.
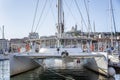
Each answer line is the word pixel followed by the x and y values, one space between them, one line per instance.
pixel 4 44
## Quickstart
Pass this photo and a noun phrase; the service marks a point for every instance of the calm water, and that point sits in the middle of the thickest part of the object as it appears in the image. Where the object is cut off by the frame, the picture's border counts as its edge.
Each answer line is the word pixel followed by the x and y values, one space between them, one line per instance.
pixel 40 74
pixel 4 70
pixel 52 73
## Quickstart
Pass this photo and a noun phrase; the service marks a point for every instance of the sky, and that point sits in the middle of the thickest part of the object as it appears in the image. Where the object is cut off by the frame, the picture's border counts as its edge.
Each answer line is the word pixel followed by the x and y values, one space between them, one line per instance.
pixel 17 16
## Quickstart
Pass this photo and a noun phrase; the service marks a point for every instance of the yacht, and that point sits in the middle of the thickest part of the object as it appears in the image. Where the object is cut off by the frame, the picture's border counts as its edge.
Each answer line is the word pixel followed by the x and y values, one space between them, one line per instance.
pixel 70 58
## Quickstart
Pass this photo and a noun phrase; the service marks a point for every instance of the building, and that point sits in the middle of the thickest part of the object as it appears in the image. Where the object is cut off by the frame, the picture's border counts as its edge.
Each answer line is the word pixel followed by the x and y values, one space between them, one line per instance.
pixel 33 35
pixel 17 43
pixel 4 44
pixel 77 38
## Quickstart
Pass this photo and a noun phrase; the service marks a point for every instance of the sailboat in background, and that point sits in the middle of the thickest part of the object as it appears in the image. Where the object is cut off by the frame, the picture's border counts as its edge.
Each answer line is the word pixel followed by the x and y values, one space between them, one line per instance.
pixel 114 48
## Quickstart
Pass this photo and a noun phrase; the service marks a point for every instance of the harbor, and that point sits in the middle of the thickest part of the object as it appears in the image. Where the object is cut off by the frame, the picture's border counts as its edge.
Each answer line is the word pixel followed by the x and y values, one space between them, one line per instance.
pixel 42 74
pixel 64 41
pixel 53 74
pixel 4 70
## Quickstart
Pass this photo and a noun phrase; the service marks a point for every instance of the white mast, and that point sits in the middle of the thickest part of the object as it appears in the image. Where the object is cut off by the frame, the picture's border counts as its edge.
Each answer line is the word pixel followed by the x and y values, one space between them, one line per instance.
pixel 3 37
pixel 113 25
pixel 89 25
pixel 60 26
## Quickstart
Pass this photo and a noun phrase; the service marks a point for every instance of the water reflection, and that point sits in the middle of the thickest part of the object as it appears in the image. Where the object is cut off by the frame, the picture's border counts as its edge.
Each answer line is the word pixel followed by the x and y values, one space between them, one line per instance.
pixel 49 72
pixel 117 76
pixel 30 75
pixel 41 74
pixel 4 70
pixel 63 72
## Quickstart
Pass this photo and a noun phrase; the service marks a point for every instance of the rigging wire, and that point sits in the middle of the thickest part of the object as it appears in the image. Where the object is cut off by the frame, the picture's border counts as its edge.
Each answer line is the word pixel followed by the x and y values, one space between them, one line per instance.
pixel 46 14
pixel 61 75
pixel 35 15
pixel 41 15
pixel 113 17
pixel 53 14
pixel 71 11
pixel 81 14
pixel 87 10
pixel 53 71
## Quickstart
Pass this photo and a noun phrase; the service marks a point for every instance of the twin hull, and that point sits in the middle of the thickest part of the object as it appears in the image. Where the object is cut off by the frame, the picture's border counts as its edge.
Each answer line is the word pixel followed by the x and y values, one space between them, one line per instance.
pixel 21 64
pixel 24 63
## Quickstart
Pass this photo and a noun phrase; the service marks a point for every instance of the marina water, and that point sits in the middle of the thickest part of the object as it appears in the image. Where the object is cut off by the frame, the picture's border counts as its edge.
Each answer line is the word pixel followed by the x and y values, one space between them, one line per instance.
pixel 4 70
pixel 51 73
pixel 38 74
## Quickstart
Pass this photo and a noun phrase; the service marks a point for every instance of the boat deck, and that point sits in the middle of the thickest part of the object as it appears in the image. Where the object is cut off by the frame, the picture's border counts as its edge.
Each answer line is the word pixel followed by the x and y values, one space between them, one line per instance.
pixel 56 55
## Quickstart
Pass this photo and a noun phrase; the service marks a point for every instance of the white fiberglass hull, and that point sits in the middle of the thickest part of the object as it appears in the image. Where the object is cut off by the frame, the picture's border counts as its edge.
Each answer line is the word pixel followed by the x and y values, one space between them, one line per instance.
pixel 21 64
pixel 98 63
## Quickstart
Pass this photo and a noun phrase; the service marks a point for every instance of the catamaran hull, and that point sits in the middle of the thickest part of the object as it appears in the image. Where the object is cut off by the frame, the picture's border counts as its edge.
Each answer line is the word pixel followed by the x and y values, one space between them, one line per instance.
pixel 21 64
pixel 98 63
pixel 97 66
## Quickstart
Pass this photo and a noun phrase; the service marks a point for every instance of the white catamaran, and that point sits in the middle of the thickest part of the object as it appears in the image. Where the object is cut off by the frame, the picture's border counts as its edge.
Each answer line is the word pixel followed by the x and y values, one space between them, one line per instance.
pixel 95 61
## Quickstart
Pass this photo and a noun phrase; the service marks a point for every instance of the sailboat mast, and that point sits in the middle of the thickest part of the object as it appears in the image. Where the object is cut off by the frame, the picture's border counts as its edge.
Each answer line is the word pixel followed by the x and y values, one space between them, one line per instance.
pixel 94 27
pixel 112 22
pixel 3 37
pixel 60 26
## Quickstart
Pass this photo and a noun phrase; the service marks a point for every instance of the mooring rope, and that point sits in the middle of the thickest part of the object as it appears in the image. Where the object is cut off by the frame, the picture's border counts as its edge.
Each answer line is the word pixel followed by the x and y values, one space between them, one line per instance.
pixel 69 78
